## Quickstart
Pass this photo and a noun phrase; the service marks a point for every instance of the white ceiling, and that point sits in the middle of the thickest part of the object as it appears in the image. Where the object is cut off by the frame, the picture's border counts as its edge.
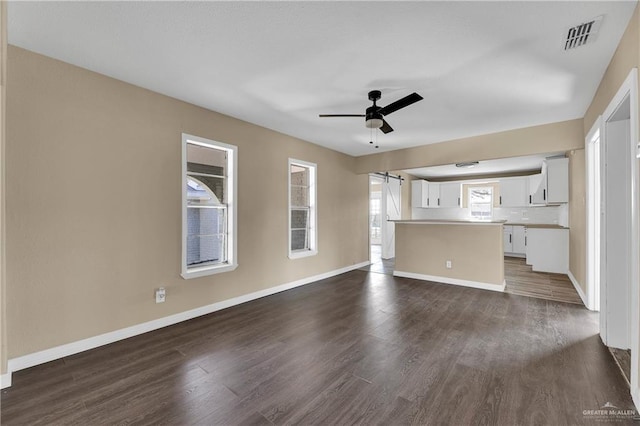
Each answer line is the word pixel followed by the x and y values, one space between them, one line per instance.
pixel 481 66
pixel 486 167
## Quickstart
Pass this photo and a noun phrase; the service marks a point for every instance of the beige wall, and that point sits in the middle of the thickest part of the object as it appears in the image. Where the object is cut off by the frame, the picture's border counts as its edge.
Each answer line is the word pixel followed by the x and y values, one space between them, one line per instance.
pixel 555 137
pixel 93 197
pixel 3 73
pixel 625 58
pixel 476 251
pixel 577 217
pixel 405 197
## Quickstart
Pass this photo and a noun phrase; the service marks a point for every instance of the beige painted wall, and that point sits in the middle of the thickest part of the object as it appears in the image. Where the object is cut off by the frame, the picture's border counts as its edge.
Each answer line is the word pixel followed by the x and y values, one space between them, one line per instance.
pixel 405 197
pixel 3 73
pixel 625 58
pixel 476 251
pixel 93 198
pixel 556 137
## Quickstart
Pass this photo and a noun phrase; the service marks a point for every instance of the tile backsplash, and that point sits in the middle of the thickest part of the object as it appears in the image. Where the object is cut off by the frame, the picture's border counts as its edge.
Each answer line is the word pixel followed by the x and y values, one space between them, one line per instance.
pixel 547 214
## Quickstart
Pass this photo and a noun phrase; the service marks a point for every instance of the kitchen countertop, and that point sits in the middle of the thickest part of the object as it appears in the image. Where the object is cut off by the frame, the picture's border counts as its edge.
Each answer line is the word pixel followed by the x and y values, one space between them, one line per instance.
pixel 450 222
pixel 538 225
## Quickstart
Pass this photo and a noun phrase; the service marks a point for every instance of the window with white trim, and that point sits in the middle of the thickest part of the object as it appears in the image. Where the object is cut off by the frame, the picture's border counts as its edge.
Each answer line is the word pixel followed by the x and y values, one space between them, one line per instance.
pixel 481 202
pixel 208 207
pixel 303 230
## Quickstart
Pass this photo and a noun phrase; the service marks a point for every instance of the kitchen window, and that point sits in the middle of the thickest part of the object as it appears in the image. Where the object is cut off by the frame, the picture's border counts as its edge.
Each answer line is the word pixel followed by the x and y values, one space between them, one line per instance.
pixel 481 202
pixel 208 207
pixel 302 209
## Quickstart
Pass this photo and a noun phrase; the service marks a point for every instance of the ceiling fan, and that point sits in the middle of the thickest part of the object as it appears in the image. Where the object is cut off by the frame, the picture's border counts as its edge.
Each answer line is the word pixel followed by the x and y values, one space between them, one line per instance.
pixel 374 117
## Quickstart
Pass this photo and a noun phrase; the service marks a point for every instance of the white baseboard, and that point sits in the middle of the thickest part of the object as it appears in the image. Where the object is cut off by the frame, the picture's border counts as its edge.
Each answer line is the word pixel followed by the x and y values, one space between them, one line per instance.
pixel 454 281
pixel 635 396
pixel 5 380
pixel 36 358
pixel 579 290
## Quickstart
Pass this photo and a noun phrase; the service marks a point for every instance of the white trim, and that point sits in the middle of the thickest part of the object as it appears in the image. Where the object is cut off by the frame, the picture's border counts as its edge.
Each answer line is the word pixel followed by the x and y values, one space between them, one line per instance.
pixel 232 211
pixel 47 355
pixel 5 380
pixel 635 396
pixel 630 88
pixel 454 281
pixel 579 290
pixel 313 209
pixel 593 220
pixel 302 253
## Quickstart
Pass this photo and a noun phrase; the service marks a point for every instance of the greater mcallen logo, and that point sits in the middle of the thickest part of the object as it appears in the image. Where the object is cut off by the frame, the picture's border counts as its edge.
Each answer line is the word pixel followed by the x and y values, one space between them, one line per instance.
pixel 609 411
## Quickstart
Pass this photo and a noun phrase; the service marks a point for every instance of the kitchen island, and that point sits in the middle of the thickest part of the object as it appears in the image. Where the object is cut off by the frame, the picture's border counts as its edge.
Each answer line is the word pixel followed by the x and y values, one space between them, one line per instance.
pixel 466 253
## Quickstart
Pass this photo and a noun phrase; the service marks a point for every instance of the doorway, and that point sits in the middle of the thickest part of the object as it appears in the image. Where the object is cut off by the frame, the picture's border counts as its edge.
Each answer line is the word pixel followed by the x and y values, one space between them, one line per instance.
pixel 612 223
pixel 384 206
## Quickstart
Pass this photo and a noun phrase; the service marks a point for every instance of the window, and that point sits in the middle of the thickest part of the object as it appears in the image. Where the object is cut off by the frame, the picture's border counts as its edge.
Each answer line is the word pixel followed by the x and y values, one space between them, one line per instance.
pixel 208 207
pixel 302 209
pixel 481 202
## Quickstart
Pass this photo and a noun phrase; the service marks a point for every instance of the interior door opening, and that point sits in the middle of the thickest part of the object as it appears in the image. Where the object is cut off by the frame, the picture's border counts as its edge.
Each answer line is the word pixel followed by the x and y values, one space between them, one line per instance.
pixel 616 230
pixel 384 207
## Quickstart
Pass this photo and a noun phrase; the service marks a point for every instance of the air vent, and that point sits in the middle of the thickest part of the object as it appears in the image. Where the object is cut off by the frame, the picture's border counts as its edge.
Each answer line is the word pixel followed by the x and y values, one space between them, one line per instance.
pixel 582 34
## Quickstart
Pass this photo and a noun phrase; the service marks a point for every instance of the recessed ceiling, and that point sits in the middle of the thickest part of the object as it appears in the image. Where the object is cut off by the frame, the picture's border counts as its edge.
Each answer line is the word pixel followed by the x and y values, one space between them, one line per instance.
pixel 487 167
pixel 481 67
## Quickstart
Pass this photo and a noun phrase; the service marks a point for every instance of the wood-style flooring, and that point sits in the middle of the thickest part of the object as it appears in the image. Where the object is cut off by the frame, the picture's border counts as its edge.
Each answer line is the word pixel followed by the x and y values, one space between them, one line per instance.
pixel 522 280
pixel 378 264
pixel 623 359
pixel 359 348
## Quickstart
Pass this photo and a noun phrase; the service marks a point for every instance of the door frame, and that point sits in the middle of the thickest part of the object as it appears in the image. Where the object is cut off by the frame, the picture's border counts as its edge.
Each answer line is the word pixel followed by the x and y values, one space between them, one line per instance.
pixel 629 88
pixel 594 219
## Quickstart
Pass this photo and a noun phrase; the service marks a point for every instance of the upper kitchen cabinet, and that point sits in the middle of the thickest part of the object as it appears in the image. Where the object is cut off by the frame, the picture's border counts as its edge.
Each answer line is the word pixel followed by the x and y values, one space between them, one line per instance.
pixel 419 193
pixel 557 180
pixel 434 195
pixel 450 194
pixel 537 191
pixel 425 194
pixel 514 192
pixel 552 186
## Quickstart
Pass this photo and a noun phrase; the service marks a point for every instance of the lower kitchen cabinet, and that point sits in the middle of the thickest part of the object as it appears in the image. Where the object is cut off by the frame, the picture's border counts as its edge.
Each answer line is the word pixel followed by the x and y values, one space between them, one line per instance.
pixel 514 237
pixel 548 249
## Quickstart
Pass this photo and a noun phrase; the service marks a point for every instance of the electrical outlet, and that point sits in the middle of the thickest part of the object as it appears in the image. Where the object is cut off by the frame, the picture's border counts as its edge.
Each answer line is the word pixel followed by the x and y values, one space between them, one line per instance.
pixel 161 295
pixel 448 264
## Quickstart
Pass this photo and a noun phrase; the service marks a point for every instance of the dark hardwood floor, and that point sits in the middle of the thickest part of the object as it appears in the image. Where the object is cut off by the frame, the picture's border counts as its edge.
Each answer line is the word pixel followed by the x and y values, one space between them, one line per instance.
pixel 521 279
pixel 378 264
pixel 359 348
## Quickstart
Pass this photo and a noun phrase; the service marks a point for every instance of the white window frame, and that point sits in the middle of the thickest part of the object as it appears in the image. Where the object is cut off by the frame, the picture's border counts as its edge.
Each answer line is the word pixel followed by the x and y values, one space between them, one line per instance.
pixel 470 204
pixel 313 211
pixel 231 201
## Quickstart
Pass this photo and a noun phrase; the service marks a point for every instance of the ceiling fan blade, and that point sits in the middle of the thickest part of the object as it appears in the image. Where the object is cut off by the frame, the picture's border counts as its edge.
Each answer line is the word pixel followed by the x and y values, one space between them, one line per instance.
pixel 400 103
pixel 341 115
pixel 385 127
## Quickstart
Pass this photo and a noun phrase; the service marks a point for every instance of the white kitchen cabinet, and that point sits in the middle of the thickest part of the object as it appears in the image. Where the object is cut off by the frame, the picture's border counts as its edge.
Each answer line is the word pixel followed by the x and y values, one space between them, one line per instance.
pixel 434 195
pixel 514 240
pixel 514 192
pixel 552 186
pixel 519 240
pixel 419 193
pixel 424 194
pixel 450 194
pixel 537 189
pixel 507 238
pixel 548 249
pixel 557 180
